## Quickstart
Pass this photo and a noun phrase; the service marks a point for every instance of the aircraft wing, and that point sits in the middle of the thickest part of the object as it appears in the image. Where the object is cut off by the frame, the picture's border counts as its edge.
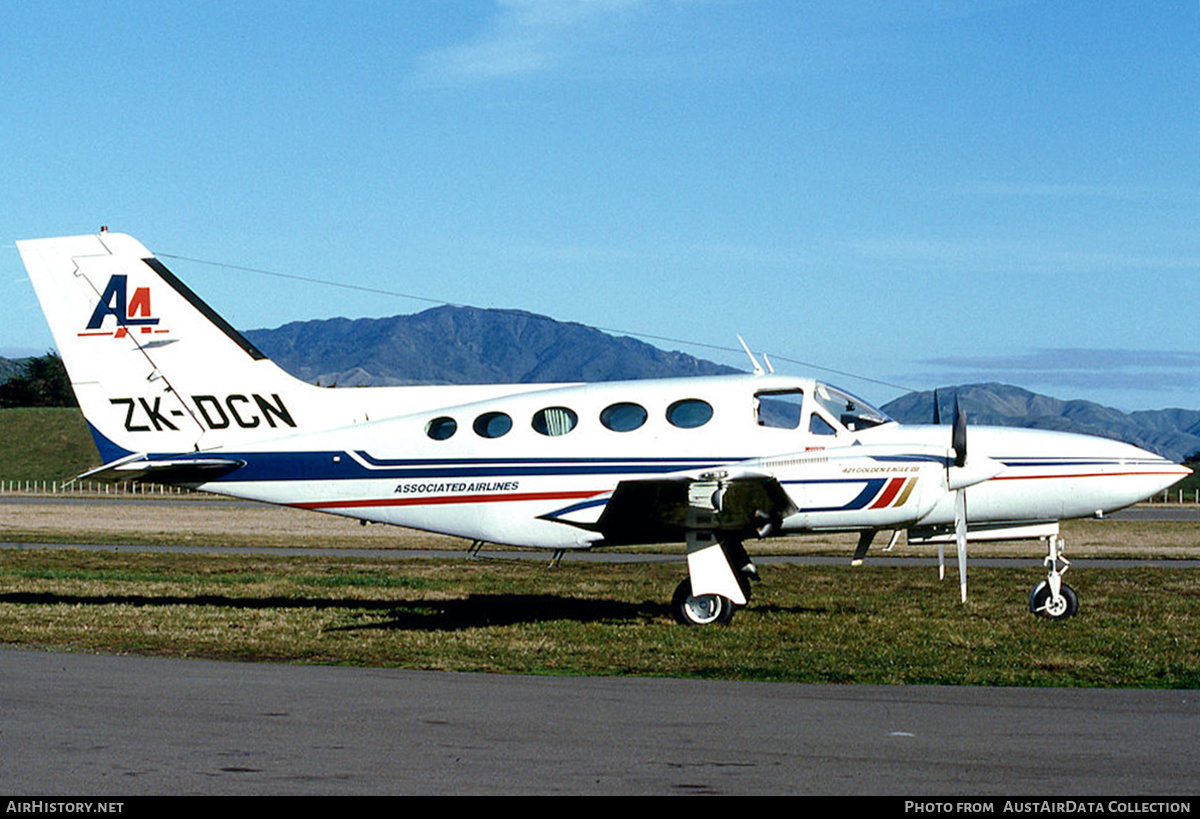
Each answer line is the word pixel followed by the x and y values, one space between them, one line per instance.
pixel 665 509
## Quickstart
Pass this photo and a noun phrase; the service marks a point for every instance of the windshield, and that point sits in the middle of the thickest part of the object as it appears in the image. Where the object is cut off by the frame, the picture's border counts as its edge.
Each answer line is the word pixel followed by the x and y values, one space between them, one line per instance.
pixel 854 413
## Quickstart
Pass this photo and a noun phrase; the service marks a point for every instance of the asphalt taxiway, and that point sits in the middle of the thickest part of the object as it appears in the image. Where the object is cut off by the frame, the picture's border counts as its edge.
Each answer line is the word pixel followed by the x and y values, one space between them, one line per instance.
pixel 74 724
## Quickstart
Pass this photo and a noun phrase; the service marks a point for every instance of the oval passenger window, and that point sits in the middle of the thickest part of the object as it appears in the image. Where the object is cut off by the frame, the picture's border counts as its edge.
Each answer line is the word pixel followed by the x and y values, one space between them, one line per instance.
pixel 690 413
pixel 492 424
pixel 623 417
pixel 555 420
pixel 439 429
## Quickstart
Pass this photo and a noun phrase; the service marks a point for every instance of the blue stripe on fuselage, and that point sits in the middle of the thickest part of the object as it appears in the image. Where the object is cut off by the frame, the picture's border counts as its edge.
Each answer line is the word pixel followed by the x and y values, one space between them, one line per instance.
pixel 868 493
pixel 316 466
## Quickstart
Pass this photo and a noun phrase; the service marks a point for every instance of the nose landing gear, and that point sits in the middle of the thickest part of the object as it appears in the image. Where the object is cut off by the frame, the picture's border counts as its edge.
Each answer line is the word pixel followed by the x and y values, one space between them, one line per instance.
pixel 1051 598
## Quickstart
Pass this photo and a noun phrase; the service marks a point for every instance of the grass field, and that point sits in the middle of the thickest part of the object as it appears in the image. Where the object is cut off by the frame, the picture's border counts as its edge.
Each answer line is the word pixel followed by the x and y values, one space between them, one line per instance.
pixel 45 443
pixel 1137 627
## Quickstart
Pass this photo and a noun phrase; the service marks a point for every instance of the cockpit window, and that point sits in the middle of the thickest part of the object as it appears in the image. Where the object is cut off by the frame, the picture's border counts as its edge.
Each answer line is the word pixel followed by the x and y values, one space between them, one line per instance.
pixel 853 413
pixel 779 409
pixel 819 426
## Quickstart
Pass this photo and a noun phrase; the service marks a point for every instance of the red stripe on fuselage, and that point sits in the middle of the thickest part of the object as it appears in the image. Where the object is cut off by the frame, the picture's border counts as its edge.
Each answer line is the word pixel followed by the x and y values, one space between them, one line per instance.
pixel 889 493
pixel 1084 475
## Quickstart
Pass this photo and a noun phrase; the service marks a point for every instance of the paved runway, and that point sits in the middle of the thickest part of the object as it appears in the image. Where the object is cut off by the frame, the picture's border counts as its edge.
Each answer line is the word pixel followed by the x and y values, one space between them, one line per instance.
pixel 124 726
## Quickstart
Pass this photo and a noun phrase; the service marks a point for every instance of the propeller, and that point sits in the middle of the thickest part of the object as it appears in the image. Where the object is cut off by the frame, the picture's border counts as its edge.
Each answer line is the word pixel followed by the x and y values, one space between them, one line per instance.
pixel 959 475
pixel 958 442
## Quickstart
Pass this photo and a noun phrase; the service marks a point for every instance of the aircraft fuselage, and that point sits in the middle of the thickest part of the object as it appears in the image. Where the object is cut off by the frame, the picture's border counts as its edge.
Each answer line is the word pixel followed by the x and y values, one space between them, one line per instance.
pixel 518 483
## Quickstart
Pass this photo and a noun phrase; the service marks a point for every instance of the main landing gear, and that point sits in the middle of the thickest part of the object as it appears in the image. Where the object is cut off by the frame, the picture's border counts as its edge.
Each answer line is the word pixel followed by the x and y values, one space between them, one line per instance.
pixel 706 609
pixel 690 610
pixel 1051 598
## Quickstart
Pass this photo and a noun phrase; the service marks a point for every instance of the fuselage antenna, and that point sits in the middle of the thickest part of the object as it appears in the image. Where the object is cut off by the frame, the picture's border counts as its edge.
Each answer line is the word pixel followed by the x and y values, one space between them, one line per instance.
pixel 758 370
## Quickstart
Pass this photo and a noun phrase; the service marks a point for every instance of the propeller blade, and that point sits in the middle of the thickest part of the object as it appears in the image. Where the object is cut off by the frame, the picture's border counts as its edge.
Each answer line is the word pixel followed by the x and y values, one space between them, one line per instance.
pixel 960 538
pixel 937 410
pixel 958 437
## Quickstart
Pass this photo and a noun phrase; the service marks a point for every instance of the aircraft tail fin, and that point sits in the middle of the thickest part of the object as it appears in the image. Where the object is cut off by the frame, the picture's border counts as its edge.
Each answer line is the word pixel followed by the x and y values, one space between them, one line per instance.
pixel 155 369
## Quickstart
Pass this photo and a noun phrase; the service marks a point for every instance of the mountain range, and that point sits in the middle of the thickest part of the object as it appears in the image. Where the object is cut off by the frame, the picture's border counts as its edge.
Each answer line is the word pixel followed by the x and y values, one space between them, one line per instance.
pixel 466 345
pixel 463 345
pixel 1173 433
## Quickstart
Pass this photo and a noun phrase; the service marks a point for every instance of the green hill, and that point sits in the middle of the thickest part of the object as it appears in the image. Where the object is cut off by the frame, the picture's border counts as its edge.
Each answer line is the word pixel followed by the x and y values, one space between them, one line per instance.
pixel 10 367
pixel 44 443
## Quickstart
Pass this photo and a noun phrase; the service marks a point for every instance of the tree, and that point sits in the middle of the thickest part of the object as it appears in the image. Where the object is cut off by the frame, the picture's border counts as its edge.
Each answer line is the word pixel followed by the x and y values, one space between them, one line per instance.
pixel 44 384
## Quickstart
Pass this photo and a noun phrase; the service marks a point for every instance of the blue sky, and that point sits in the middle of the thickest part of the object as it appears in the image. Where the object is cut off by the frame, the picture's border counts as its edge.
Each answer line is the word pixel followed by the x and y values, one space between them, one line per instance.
pixel 922 193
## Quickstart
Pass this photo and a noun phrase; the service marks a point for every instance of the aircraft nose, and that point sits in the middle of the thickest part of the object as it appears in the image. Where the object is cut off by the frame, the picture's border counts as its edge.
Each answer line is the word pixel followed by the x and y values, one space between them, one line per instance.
pixel 1080 475
pixel 1173 474
pixel 1155 472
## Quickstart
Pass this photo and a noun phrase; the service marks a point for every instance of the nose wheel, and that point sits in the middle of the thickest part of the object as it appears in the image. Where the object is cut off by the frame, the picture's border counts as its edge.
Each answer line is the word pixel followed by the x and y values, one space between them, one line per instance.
pixel 1044 603
pixel 1052 598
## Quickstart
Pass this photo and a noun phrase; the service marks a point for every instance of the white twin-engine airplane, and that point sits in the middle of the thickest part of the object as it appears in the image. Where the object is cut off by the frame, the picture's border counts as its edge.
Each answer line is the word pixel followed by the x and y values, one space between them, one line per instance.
pixel 173 394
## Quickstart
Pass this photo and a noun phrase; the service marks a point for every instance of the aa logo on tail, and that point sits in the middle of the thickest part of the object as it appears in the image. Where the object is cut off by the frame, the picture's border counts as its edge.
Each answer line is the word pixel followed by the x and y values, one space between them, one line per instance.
pixel 129 312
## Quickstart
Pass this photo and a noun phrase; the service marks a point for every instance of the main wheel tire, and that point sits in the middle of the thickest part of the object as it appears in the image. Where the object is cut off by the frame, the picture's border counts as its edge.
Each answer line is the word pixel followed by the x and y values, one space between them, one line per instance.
pixel 704 610
pixel 1067 604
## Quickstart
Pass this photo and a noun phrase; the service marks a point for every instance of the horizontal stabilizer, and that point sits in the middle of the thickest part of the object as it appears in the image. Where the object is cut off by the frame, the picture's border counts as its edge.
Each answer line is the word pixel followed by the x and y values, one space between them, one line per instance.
pixel 173 471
